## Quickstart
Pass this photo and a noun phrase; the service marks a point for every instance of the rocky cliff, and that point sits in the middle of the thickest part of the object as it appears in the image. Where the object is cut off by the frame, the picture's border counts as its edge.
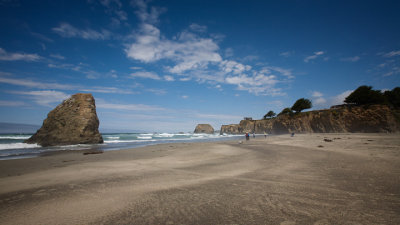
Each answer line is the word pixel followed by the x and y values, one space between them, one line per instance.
pixel 74 121
pixel 204 128
pixel 367 119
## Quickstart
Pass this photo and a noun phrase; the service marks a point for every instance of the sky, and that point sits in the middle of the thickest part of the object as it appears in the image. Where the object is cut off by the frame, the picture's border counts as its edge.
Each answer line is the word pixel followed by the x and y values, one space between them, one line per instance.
pixel 165 66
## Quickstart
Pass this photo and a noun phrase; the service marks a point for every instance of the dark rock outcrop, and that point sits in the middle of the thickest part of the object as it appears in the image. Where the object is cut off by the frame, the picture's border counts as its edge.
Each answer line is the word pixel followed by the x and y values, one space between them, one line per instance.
pixel 74 121
pixel 204 128
pixel 363 119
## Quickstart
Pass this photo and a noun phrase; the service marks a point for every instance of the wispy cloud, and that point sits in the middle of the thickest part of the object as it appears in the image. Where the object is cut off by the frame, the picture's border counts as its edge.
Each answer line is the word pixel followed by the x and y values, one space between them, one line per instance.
pixel 314 56
pixel 198 28
pixel 44 98
pixel 350 59
pixel 316 94
pixel 114 9
pixel 7 56
pixel 147 14
pixel 69 31
pixel 391 65
pixel 129 107
pixel 156 91
pixel 41 37
pixel 43 85
pixel 33 84
pixel 392 54
pixel 169 78
pixel 57 56
pixel 145 74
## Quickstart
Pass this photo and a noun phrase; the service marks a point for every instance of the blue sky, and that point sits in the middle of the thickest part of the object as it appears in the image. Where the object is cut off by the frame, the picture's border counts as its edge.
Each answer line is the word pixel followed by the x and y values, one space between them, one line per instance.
pixel 168 65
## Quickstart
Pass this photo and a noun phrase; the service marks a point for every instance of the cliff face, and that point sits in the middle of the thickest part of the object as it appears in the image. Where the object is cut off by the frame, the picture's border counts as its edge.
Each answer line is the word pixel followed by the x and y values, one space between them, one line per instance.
pixel 72 122
pixel 371 119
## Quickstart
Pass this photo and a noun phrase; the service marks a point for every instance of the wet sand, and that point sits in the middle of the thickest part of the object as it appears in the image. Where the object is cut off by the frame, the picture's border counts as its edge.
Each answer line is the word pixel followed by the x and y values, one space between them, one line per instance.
pixel 305 179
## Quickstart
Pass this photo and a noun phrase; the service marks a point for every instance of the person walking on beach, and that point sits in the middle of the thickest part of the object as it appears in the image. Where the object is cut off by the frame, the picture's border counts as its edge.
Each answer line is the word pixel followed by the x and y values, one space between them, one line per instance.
pixel 265 135
pixel 247 136
pixel 254 135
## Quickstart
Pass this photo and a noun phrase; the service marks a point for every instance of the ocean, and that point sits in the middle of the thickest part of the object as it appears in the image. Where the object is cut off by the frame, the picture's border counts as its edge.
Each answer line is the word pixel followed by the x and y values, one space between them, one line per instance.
pixel 12 146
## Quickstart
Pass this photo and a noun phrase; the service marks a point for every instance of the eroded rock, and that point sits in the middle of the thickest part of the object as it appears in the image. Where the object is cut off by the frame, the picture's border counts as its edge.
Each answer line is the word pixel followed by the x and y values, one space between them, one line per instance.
pixel 74 121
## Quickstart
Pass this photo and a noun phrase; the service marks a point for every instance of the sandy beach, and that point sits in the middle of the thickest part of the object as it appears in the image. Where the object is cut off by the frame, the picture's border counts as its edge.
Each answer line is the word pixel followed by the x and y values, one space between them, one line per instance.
pixel 305 179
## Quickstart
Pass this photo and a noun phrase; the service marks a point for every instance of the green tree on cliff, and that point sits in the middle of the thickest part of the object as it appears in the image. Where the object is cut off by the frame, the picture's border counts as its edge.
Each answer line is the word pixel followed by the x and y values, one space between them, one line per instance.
pixel 393 97
pixel 365 95
pixel 286 111
pixel 301 104
pixel 270 114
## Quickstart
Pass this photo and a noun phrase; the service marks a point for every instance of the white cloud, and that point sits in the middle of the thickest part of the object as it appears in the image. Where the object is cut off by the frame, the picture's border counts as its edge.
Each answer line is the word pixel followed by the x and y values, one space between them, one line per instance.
pixel 147 15
pixel 34 84
pixel 339 99
pixel 42 85
pixel 57 56
pixel 106 90
pixel 44 98
pixel 69 31
pixel 198 28
pixel 316 94
pixel 169 78
pixel 229 52
pixel 351 59
pixel 229 66
pixel 392 54
pixel 319 101
pixel 144 74
pixel 157 91
pixel 188 51
pixel 274 69
pixel 6 56
pixel 185 79
pixel 129 107
pixel 258 84
pixel 314 56
pixel 196 57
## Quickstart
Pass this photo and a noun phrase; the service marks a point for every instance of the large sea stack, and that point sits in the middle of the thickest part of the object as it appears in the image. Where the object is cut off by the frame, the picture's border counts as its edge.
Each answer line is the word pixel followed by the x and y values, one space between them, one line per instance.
pixel 74 121
pixel 204 128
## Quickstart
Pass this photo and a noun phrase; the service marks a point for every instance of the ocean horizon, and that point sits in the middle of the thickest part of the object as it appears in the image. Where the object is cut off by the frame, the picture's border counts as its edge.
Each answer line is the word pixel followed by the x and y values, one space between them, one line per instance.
pixel 12 146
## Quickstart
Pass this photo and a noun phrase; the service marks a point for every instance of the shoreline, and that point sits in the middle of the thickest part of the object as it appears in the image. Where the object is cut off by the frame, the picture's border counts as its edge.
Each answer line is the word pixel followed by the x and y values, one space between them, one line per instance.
pixel 112 143
pixel 352 178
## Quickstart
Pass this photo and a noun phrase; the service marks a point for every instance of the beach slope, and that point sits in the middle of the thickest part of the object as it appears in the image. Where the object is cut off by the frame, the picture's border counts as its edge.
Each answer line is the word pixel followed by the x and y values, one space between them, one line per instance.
pixel 305 179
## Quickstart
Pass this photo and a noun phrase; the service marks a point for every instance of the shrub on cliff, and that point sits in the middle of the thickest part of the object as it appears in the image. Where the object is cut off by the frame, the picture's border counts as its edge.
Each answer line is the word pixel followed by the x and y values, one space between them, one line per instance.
pixel 270 114
pixel 301 104
pixel 364 95
pixel 286 111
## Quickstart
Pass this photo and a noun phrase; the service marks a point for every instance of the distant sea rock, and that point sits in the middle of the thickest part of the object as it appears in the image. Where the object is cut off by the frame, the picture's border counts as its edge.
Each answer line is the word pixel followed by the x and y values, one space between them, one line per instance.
pixel 339 119
pixel 204 128
pixel 74 121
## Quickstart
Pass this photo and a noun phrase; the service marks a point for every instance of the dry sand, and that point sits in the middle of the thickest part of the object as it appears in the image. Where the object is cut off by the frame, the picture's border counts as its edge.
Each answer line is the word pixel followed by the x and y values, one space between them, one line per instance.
pixel 352 179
